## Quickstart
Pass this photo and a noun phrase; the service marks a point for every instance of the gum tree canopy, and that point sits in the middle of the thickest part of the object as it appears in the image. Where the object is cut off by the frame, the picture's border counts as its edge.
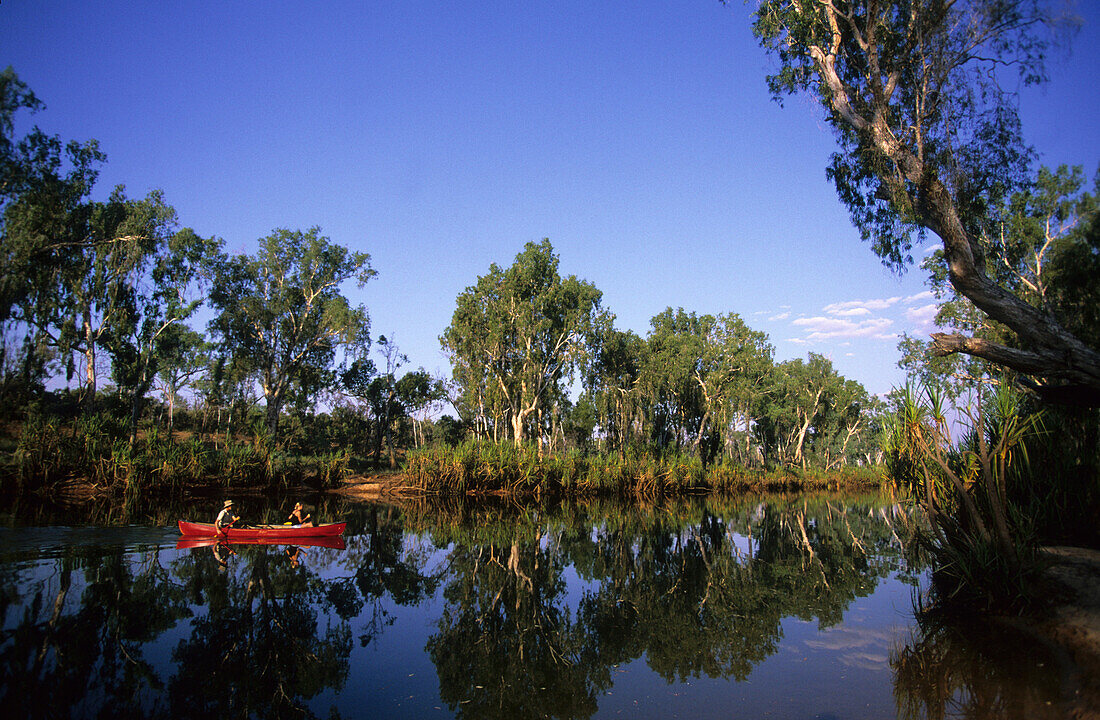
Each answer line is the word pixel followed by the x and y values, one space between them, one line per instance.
pixel 930 141
pixel 282 313
pixel 519 332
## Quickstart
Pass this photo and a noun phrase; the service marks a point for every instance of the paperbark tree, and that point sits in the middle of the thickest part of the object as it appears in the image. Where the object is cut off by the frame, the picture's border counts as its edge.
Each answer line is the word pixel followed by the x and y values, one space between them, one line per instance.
pixel 703 368
pixel 283 314
pixel 519 332
pixel 81 276
pixel 611 381
pixel 930 141
pixel 184 355
pixel 86 273
pixel 177 268
pixel 1045 253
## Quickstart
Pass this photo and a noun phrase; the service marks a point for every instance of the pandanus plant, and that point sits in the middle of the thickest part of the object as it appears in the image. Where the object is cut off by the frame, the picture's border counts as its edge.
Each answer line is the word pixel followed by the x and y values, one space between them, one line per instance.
pixel 962 486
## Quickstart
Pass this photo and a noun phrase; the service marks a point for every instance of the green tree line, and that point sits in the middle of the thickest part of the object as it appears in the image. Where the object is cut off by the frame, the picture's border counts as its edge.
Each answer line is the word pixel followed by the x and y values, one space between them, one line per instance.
pixel 708 386
pixel 103 297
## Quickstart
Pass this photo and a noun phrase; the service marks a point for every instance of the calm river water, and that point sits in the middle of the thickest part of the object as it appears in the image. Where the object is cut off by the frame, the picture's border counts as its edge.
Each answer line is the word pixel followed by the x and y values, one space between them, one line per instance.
pixel 748 607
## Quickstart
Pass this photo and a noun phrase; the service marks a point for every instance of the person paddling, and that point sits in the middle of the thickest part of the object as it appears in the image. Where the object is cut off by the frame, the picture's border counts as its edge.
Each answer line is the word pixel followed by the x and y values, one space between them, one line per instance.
pixel 226 518
pixel 296 517
pixel 294 555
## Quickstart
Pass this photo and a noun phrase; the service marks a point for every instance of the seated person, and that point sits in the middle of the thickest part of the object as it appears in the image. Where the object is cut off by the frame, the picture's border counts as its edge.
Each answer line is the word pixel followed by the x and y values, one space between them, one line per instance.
pixel 226 518
pixel 296 517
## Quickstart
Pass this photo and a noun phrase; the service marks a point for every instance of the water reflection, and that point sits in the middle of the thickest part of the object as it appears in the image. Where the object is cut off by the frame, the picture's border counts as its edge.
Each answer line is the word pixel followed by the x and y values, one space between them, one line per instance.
pixel 518 611
pixel 975 670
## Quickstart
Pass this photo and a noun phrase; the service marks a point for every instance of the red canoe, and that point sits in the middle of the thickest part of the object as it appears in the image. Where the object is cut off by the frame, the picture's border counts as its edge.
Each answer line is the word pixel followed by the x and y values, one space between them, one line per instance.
pixel 261 532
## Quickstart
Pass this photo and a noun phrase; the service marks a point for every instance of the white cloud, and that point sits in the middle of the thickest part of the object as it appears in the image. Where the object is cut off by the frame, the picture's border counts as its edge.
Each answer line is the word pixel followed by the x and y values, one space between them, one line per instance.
pixel 865 648
pixel 859 306
pixel 921 316
pixel 831 328
pixel 780 316
pixel 920 297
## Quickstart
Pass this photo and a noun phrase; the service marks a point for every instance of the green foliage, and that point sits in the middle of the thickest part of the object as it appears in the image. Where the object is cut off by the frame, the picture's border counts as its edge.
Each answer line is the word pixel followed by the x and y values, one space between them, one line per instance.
pixel 518 334
pixel 916 71
pixel 38 457
pixel 983 549
pixel 930 140
pixel 1044 251
pixel 50 458
pixel 485 467
pixel 282 316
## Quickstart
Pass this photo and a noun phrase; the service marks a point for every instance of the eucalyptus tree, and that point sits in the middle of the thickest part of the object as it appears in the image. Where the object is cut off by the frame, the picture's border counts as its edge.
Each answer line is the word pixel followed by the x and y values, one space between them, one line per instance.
pixel 676 403
pixel 736 363
pixel 91 274
pixel 420 394
pixel 795 411
pixel 701 372
pixel 612 384
pixel 83 276
pixel 43 189
pixel 228 388
pixel 382 396
pixel 16 158
pixel 519 333
pixel 283 315
pixel 847 428
pixel 151 330
pixel 26 163
pixel 930 140
pixel 184 357
pixel 1044 252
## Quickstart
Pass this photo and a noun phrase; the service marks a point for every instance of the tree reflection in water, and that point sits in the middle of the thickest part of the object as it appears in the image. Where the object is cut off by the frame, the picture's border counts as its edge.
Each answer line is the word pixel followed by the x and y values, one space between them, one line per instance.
pixel 74 638
pixel 259 648
pixel 673 587
pixel 535 609
pixel 969 668
pixel 89 633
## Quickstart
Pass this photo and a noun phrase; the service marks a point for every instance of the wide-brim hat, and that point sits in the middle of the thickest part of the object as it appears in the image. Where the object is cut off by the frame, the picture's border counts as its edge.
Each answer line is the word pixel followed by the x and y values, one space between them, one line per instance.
pixel 228 503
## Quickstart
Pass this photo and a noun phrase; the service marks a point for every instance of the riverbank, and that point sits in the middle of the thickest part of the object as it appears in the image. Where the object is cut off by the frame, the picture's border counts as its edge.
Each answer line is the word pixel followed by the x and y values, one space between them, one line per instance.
pixel 480 467
pixel 1072 627
pixel 388 484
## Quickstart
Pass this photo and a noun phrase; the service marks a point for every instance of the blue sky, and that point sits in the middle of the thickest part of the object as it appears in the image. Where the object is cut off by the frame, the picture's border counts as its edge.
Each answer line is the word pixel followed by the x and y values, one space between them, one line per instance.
pixel 639 137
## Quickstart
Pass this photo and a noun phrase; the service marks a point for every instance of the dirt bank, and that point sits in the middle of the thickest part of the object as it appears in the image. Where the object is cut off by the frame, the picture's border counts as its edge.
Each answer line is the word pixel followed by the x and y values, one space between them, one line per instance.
pixel 1073 626
pixel 376 486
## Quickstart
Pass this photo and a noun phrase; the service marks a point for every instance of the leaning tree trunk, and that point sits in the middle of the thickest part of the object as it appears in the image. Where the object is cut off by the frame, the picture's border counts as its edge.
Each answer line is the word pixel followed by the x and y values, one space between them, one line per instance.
pixel 1053 352
pixel 1048 349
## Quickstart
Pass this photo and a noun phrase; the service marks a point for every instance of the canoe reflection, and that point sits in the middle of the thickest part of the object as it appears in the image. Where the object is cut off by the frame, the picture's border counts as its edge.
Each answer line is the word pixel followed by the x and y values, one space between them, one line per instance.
pixel 335 543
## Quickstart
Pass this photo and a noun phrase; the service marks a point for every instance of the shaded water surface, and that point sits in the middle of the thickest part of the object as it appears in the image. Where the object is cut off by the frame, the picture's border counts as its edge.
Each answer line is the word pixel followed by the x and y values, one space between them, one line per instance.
pixel 777 607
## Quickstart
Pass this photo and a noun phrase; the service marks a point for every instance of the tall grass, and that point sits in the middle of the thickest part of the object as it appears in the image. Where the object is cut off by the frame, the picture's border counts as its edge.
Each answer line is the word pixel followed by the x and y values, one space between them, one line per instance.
pixel 94 454
pixel 501 468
